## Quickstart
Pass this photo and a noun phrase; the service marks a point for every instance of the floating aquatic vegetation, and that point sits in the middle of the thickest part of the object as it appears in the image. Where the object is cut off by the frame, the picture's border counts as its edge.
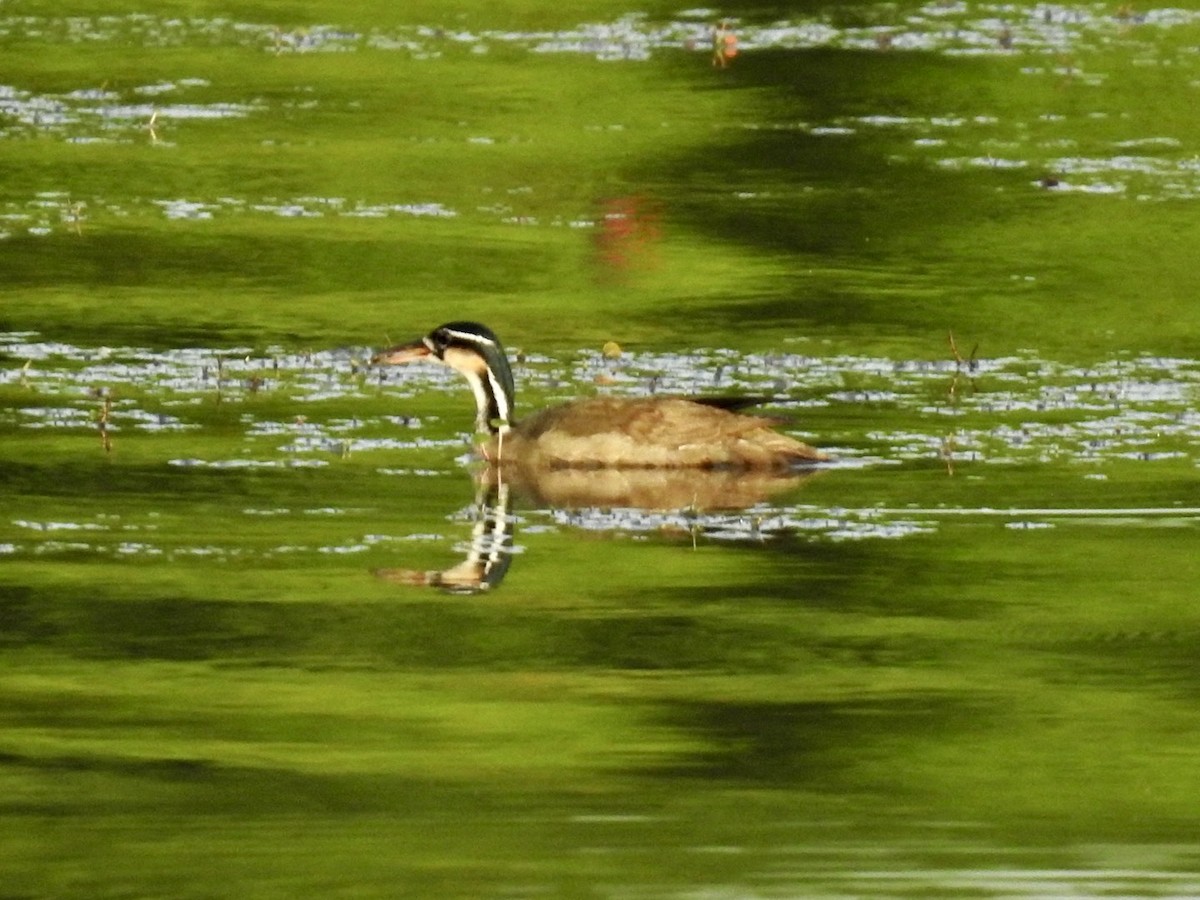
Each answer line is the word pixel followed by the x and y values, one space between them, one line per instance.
pixel 754 525
pixel 90 115
pixel 248 463
pixel 1054 40
pixel 1005 409
pixel 1016 410
pixel 50 213
pixel 937 27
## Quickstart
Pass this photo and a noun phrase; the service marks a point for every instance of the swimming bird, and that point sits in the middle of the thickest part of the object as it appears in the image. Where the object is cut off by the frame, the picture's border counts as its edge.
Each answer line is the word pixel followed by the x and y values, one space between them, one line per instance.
pixel 602 432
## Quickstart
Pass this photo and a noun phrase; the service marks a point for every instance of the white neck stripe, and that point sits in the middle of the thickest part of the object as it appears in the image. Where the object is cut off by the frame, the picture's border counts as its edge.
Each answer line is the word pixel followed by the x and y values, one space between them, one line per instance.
pixel 500 398
pixel 471 336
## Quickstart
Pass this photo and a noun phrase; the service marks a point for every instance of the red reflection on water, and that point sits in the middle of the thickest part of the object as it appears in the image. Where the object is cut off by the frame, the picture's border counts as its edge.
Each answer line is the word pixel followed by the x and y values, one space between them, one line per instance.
pixel 627 234
pixel 724 45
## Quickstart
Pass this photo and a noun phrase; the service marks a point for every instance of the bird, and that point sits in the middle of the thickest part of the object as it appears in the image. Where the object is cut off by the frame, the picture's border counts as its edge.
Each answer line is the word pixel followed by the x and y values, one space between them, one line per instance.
pixel 603 432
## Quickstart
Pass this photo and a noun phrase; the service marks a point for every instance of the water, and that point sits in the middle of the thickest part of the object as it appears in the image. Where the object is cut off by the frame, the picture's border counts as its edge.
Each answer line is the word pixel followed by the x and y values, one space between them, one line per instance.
pixel 953 244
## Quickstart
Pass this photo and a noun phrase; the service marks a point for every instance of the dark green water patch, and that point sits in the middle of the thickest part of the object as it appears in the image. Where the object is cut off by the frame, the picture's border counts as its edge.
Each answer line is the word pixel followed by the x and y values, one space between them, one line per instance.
pixel 809 743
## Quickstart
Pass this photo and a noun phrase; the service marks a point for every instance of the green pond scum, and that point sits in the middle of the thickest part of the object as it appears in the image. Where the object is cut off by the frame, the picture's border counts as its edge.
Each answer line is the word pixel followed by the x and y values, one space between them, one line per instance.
pixel 953 243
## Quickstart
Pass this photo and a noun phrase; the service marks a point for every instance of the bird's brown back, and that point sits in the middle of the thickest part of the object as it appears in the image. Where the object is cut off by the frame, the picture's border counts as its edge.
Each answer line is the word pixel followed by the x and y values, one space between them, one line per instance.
pixel 654 432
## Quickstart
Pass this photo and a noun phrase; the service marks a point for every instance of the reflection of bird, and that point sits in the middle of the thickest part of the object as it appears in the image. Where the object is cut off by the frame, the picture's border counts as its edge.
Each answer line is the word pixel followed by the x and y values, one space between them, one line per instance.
pixel 647 490
pixel 602 432
pixel 488 555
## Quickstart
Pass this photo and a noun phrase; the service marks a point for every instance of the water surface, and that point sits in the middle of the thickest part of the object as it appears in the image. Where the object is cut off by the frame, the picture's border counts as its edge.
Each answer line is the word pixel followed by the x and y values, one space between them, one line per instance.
pixel 953 244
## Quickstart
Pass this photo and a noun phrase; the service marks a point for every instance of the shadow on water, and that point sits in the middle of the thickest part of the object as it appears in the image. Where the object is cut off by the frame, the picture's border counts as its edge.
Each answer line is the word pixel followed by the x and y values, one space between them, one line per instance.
pixel 855 223
pixel 810 743
pixel 252 277
pixel 810 188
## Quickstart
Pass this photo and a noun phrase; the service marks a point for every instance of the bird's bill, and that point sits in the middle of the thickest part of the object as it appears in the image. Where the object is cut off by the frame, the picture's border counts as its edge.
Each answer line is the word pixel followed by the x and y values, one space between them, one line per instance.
pixel 401 353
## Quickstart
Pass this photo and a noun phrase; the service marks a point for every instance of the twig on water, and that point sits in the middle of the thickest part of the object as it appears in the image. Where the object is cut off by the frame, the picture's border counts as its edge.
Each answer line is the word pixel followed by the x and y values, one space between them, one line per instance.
pixel 77 217
pixel 947 451
pixel 103 419
pixel 969 365
pixel 970 362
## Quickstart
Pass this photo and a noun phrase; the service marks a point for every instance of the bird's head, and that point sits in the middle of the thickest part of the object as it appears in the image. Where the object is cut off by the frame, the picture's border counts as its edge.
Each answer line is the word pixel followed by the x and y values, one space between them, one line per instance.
pixel 474 351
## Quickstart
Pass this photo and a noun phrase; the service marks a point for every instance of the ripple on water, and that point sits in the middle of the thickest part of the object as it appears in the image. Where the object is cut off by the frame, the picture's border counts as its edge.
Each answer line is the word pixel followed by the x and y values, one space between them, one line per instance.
pixel 761 525
pixel 147 112
pixel 937 27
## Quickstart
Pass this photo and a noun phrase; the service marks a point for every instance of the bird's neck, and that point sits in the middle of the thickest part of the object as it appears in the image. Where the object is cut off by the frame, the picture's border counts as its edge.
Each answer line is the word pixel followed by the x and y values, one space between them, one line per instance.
pixel 491 380
pixel 493 400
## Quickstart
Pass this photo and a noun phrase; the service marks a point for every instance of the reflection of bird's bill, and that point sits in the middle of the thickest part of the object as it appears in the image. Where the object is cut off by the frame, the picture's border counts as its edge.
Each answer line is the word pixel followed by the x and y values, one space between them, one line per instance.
pixel 488 556
pixel 466 577
pixel 648 489
pixel 401 353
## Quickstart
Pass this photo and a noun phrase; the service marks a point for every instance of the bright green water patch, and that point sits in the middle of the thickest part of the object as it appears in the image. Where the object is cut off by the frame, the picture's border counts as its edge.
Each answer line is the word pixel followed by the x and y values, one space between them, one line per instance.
pixel 960 662
pixel 814 164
